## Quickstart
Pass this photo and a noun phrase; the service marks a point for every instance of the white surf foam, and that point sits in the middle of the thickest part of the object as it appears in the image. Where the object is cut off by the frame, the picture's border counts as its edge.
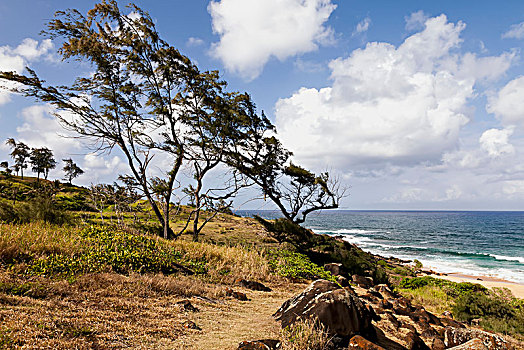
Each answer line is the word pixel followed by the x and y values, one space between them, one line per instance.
pixel 508 258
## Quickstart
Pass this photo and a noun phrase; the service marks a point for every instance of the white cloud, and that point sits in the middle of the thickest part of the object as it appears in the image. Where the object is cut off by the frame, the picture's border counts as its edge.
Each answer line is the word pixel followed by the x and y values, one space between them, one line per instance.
pixel 362 26
pixel 388 105
pixel 253 31
pixel 496 142
pixel 15 60
pixel 507 103
pixel 416 20
pixel 516 31
pixel 192 41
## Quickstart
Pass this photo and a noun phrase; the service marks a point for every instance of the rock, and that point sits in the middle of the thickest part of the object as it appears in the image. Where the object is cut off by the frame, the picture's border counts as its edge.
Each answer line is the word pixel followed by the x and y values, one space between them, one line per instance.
pixel 408 326
pixel 473 344
pixel 421 313
pixel 253 285
pixel 385 291
pixel 191 325
pixel 414 342
pixel 263 344
pixel 401 307
pixel 343 281
pixel 391 318
pixel 429 332
pixel 361 281
pixel 336 269
pixel 186 305
pixel 384 304
pixel 358 342
pixel 438 344
pixel 458 336
pixel 338 309
pixel 451 323
pixel 237 295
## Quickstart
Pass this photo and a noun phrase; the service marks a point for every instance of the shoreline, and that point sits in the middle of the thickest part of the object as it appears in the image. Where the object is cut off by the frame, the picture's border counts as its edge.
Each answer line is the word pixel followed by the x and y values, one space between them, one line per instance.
pixel 489 282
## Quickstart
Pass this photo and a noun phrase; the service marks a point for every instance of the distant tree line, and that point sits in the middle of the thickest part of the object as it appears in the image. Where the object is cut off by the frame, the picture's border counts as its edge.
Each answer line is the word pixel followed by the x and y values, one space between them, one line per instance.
pixel 170 119
pixel 40 159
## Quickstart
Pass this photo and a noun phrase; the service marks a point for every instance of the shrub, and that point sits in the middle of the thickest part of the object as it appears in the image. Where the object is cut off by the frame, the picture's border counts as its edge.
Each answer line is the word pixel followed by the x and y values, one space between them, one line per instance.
pixel 296 266
pixel 119 251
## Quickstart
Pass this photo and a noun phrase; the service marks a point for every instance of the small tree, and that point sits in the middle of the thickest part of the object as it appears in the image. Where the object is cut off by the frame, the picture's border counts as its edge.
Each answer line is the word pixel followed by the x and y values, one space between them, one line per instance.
pixel 71 170
pixel 42 161
pixel 19 153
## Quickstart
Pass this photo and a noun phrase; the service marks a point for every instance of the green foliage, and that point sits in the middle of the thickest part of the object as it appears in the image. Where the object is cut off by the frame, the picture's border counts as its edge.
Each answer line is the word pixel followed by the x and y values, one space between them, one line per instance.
pixel 418 264
pixel 495 313
pixel 284 230
pixel 497 310
pixel 118 251
pixel 453 289
pixel 296 266
pixel 5 339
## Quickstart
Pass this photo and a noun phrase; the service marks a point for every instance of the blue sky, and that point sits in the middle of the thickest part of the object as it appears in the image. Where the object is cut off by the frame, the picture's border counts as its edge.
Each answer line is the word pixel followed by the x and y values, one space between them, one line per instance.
pixel 413 104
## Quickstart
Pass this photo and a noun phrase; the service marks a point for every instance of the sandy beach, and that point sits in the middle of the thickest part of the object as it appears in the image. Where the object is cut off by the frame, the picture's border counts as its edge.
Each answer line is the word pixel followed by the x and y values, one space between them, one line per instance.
pixel 488 282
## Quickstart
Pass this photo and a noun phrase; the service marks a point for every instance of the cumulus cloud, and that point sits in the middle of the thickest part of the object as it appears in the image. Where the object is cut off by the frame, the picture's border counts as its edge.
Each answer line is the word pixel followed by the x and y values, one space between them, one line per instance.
pixel 15 59
pixel 362 26
pixel 400 105
pixel 516 31
pixel 507 103
pixel 253 31
pixel 496 142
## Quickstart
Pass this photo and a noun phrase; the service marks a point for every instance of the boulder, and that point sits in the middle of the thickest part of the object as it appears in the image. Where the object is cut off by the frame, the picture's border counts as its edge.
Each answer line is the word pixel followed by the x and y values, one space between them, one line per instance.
pixel 391 318
pixel 458 336
pixel 338 309
pixel 343 281
pixel 358 342
pixel 263 344
pixel 451 323
pixel 237 295
pixel 336 269
pixel 473 344
pixel 253 285
pixel 414 342
pixel 361 281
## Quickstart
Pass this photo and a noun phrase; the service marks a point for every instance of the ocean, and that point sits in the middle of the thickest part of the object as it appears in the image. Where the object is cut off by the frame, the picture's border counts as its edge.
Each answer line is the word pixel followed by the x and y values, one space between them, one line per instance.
pixel 469 242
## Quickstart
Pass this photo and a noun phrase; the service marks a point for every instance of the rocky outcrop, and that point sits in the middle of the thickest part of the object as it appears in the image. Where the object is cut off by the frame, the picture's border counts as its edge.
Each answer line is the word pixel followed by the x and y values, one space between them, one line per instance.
pixel 358 342
pixel 338 309
pixel 458 336
pixel 414 342
pixel 473 344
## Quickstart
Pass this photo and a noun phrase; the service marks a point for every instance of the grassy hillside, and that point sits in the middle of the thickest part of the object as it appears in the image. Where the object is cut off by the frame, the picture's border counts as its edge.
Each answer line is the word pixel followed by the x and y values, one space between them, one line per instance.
pixel 103 279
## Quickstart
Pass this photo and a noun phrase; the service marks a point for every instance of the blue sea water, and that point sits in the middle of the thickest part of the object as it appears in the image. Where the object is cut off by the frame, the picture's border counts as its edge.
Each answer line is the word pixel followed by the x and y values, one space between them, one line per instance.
pixel 471 242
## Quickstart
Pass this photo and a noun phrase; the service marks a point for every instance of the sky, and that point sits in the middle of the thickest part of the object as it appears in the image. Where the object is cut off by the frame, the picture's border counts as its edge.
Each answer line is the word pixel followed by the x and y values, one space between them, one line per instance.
pixel 411 104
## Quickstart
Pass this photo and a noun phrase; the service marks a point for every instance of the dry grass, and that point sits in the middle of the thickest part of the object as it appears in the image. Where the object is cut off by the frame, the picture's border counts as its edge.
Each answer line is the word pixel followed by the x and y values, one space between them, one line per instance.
pixel 433 298
pixel 305 335
pixel 18 242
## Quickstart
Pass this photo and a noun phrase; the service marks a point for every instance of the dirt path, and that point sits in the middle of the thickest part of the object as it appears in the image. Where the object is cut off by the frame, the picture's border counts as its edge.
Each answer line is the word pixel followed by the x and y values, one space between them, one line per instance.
pixel 226 324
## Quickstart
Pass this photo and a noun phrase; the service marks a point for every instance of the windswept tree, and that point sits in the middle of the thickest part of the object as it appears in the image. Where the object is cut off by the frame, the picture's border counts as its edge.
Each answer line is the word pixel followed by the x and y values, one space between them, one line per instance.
pixel 136 99
pixel 20 155
pixel 296 191
pixel 71 170
pixel 165 116
pixel 42 161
